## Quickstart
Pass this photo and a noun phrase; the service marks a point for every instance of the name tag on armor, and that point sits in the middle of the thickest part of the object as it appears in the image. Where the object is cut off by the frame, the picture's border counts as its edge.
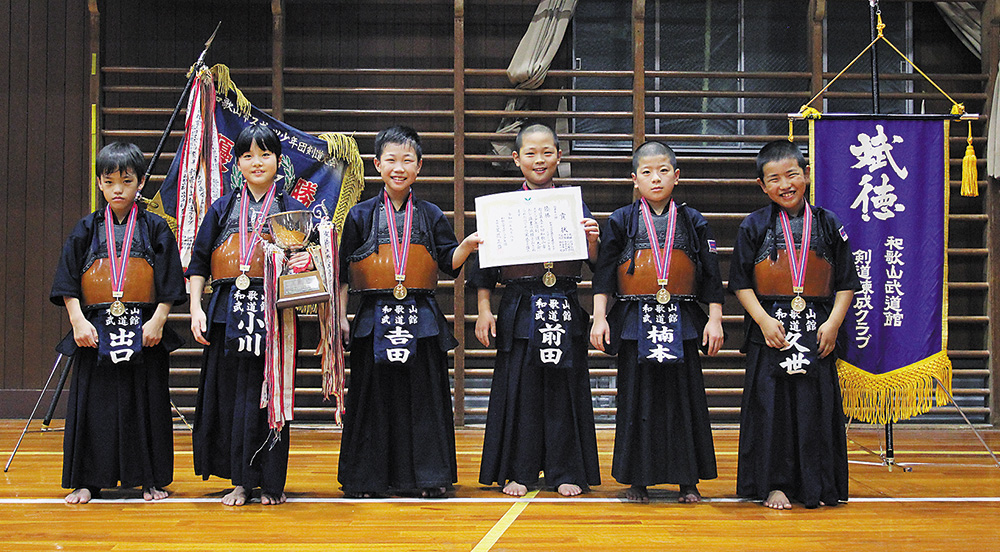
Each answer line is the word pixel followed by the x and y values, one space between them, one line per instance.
pixel 119 337
pixel 551 335
pixel 396 324
pixel 660 342
pixel 801 356
pixel 245 335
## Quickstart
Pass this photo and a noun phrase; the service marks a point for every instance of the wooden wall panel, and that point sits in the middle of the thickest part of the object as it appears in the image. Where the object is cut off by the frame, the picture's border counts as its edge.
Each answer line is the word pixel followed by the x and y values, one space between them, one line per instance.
pixel 18 163
pixel 42 150
pixel 5 139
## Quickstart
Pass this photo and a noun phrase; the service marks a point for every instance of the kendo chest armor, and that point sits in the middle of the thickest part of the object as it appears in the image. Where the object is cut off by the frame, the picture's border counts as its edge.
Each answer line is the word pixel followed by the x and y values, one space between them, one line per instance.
pixel 643 279
pixel 774 278
pixel 569 270
pixel 226 259
pixel 377 273
pixel 139 286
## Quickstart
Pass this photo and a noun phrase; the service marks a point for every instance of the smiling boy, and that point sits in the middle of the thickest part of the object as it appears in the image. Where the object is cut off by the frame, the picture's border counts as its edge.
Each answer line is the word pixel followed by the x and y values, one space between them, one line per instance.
pixel 793 271
pixel 399 434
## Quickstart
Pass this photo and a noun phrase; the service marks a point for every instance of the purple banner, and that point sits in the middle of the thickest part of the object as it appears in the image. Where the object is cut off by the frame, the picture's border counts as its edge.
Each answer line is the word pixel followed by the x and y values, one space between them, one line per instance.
pixel 887 181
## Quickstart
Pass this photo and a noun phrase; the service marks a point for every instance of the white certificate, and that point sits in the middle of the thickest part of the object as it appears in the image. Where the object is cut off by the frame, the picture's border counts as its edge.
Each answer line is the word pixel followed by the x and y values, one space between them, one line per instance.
pixel 532 226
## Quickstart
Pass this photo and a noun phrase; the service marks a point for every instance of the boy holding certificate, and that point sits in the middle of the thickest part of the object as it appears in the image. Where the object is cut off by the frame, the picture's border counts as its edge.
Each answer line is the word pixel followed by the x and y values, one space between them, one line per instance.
pixel 540 415
pixel 793 271
pixel 399 434
pixel 658 259
pixel 118 276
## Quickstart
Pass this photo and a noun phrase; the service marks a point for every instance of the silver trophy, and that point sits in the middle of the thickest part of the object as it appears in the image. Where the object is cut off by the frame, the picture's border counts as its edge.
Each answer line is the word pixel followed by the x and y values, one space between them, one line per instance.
pixel 290 230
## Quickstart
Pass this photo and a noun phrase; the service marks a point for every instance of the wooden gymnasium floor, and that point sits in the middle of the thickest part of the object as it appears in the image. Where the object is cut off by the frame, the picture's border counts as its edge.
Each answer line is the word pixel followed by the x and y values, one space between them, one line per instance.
pixel 949 501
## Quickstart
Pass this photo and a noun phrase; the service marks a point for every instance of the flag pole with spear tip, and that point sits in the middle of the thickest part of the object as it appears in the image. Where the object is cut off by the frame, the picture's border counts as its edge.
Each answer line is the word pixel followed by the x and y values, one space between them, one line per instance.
pixel 180 101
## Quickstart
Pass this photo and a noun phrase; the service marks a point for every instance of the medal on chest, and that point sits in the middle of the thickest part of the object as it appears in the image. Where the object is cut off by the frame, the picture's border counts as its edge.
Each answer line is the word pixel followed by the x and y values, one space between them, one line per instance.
pixel 797 260
pixel 661 258
pixel 548 279
pixel 400 249
pixel 118 265
pixel 249 240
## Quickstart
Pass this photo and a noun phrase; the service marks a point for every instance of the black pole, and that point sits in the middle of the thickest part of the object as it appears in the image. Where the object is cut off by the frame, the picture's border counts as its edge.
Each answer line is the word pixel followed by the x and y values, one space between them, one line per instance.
pixel 33 410
pixel 55 397
pixel 874 9
pixel 890 455
pixel 180 102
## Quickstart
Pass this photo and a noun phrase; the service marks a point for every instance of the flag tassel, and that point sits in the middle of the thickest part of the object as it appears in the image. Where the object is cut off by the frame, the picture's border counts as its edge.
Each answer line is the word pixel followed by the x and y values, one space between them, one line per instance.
pixel 970 174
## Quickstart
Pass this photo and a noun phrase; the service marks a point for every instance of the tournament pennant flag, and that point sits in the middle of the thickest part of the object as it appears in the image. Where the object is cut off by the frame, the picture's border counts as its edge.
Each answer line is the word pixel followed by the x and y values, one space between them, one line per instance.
pixel 325 173
pixel 887 181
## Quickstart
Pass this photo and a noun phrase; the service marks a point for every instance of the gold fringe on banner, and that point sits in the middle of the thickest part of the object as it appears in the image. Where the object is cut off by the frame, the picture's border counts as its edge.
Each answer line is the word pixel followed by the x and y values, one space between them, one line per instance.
pixel 345 148
pixel 224 85
pixel 896 395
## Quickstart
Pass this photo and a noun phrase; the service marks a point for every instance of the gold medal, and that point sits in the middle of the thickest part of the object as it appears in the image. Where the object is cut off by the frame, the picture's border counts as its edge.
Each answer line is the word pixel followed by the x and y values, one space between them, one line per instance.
pixel 399 292
pixel 663 296
pixel 117 308
pixel 798 304
pixel 548 279
pixel 242 282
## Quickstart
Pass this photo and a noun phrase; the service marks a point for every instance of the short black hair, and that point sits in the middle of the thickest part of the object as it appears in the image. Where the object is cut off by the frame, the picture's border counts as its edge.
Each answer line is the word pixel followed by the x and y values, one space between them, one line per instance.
pixel 651 148
pixel 262 135
pixel 531 129
pixel 776 151
pixel 399 134
pixel 120 157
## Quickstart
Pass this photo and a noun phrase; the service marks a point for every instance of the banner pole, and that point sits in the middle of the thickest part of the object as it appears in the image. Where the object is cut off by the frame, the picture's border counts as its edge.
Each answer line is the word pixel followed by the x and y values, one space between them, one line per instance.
pixel 890 456
pixel 875 11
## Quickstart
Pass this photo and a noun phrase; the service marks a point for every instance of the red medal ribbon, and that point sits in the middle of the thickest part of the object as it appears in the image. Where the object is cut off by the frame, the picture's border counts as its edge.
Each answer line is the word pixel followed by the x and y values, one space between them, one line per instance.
pixel 400 251
pixel 524 187
pixel 797 261
pixel 661 258
pixel 118 267
pixel 246 246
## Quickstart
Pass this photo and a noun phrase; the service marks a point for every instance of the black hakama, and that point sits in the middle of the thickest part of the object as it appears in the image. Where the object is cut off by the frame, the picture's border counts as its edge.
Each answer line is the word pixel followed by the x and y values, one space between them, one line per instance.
pixel 231 436
pixel 540 418
pixel 663 433
pixel 792 434
pixel 119 426
pixel 399 428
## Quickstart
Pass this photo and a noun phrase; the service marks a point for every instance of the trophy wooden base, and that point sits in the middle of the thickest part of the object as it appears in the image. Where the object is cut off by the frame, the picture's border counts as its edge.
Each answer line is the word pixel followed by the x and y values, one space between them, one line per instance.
pixel 304 288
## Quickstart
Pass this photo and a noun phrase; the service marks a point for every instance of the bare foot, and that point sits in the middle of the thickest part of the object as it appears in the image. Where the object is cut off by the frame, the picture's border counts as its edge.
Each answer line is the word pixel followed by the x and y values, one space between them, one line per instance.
pixel 79 496
pixel 637 493
pixel 569 489
pixel 778 501
pixel 433 492
pixel 236 497
pixel 689 495
pixel 154 493
pixel 268 499
pixel 513 488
